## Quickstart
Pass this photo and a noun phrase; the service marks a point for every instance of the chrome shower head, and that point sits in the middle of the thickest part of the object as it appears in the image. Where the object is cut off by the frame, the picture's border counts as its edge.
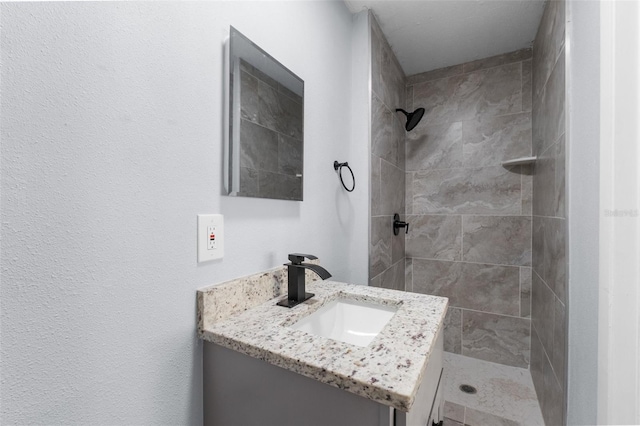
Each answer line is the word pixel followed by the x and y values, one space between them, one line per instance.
pixel 413 118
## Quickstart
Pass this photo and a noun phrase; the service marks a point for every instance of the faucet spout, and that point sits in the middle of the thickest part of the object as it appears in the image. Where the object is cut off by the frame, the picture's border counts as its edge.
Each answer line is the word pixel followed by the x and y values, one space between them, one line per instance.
pixel 296 279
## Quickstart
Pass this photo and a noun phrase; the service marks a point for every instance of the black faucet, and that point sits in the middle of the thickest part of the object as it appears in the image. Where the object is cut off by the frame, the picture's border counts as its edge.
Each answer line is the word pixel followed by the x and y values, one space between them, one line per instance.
pixel 295 280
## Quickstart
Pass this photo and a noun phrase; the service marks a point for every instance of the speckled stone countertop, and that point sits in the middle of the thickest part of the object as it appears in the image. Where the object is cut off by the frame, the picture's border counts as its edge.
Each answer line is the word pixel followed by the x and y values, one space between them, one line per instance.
pixel 387 371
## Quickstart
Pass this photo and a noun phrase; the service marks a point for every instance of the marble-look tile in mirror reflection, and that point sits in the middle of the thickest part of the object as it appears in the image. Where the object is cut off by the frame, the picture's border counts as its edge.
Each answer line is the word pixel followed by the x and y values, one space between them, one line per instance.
pixel 279 112
pixel 258 147
pixel 248 182
pixel 249 105
pixel 289 155
pixel 276 185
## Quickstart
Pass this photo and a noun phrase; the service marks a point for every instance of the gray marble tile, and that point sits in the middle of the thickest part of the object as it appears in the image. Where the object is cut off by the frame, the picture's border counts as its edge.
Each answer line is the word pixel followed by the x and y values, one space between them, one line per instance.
pixel 276 185
pixel 399 136
pixel 290 94
pixel 489 190
pixel 434 237
pixel 380 249
pixel 450 422
pixel 377 47
pixel 490 92
pixel 487 288
pixel 553 398
pixel 279 112
pixel 559 341
pixel 383 140
pixel 436 146
pixel 376 194
pixel 549 181
pixel 392 278
pixel 554 256
pixel 387 75
pixel 453 331
pixel 525 292
pixel 435 74
pixel 258 147
pixel 255 72
pixel 537 245
pixel 494 61
pixel 408 274
pixel 548 43
pixel 526 182
pixel 527 93
pixel 391 189
pixel 496 338
pixel 248 182
pixel 559 199
pixel 542 311
pixel 454 411
pixel 503 240
pixel 290 155
pixel 408 192
pixel 479 418
pixel 490 141
pixel 537 365
pixel 249 100
pixel 549 110
pixel 408 101
pixel 397 242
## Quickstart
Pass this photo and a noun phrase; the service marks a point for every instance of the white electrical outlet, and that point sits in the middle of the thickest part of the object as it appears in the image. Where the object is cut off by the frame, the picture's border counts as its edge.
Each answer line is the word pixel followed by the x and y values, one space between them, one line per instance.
pixel 210 237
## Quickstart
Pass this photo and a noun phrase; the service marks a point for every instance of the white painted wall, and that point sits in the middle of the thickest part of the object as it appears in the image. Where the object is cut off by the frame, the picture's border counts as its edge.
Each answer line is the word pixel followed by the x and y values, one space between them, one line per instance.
pixel 111 144
pixel 619 289
pixel 583 207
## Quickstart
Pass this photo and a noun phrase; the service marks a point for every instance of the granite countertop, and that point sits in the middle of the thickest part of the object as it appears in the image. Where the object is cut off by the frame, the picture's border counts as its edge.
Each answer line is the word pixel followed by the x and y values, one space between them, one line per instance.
pixel 387 371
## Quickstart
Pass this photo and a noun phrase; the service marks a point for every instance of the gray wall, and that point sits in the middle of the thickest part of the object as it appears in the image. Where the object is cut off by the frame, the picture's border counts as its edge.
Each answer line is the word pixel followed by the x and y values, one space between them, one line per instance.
pixel 111 145
pixel 549 289
pixel 387 163
pixel 470 217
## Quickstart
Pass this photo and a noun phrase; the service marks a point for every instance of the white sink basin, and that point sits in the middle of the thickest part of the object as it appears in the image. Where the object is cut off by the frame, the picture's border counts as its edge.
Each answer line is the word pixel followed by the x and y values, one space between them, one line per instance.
pixel 348 321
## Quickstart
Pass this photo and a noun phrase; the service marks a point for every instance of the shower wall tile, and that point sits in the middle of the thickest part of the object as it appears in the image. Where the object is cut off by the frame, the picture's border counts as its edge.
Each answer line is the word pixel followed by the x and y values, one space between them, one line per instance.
pixel 490 141
pixel 484 93
pixel 434 146
pixel 537 245
pixel 537 365
pixel 494 61
pixel 549 181
pixel 399 137
pixel 477 115
pixel 503 240
pixel 376 192
pixel 549 112
pixel 525 292
pixel 382 133
pixel 553 397
pixel 392 278
pixel 435 74
pixel 526 182
pixel 397 241
pixel 527 95
pixel 453 330
pixel 434 237
pixel 388 79
pixel 408 274
pixel 391 189
pixel 481 287
pixel 554 255
pixel 408 102
pixel 559 340
pixel 489 190
pixel 548 44
pixel 496 338
pixel 380 249
pixel 543 310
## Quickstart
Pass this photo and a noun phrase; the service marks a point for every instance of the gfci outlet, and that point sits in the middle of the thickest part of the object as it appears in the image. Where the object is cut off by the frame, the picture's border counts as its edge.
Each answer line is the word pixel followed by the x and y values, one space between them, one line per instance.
pixel 210 237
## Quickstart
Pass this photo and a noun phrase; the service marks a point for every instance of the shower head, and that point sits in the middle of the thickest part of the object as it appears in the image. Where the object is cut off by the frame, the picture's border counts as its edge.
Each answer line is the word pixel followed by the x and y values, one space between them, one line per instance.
pixel 413 118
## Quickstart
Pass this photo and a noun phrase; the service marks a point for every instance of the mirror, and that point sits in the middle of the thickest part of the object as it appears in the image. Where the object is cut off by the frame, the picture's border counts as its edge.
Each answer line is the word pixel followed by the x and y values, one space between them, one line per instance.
pixel 265 132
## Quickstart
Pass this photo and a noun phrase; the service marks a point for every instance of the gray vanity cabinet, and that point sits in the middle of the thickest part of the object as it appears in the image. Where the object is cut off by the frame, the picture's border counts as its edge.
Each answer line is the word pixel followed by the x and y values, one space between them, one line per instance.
pixel 241 390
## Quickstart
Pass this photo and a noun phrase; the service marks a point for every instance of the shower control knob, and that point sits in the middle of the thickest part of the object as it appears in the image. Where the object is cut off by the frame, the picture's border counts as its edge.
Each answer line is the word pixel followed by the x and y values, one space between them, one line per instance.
pixel 397 224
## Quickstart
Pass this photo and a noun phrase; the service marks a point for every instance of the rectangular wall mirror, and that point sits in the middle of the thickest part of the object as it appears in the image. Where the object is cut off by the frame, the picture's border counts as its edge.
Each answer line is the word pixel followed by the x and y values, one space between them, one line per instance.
pixel 265 131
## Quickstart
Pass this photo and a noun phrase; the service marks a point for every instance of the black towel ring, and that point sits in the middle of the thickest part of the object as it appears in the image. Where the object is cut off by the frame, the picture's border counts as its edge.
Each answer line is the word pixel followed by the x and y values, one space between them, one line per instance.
pixel 338 167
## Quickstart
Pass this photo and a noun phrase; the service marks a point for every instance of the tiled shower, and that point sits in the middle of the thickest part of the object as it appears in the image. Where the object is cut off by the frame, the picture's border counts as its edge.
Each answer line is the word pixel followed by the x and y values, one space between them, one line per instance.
pixel 487 236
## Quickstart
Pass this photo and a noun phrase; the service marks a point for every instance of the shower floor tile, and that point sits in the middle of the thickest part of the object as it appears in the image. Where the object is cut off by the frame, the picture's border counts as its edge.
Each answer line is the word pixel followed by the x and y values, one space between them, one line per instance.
pixel 505 395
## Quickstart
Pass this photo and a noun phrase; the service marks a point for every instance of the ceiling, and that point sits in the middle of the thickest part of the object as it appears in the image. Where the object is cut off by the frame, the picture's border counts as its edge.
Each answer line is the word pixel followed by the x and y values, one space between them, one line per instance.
pixel 431 34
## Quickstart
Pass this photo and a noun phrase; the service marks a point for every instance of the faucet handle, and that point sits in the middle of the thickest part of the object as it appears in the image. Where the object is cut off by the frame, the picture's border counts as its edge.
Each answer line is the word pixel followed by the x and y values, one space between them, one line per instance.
pixel 297 258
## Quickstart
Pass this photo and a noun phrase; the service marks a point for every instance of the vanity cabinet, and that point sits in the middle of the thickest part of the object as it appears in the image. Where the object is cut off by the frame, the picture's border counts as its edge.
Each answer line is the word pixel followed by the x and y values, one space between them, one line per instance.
pixel 242 390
